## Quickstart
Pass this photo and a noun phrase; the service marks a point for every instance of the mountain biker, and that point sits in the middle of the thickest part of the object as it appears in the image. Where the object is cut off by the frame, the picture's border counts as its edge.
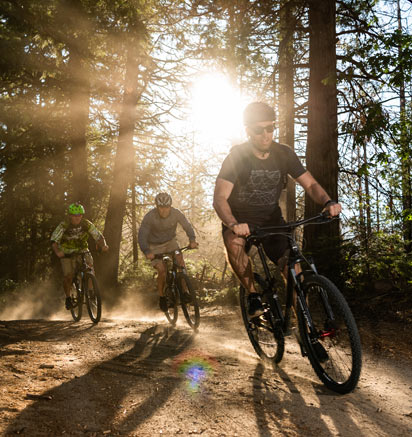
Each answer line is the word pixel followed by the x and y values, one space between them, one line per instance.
pixel 247 192
pixel 70 238
pixel 157 235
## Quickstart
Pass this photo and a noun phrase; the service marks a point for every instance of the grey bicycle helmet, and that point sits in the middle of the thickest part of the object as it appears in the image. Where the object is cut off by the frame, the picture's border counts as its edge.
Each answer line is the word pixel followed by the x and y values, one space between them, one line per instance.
pixel 163 199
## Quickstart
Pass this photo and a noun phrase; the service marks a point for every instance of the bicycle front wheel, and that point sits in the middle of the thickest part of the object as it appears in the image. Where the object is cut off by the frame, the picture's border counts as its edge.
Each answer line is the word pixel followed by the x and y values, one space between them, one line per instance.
pixel 171 298
pixel 77 301
pixel 333 346
pixel 93 298
pixel 188 300
pixel 265 333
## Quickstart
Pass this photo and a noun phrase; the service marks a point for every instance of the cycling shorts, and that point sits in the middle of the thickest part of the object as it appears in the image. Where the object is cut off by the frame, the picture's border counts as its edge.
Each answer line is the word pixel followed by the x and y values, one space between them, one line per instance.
pixel 168 246
pixel 70 264
pixel 276 246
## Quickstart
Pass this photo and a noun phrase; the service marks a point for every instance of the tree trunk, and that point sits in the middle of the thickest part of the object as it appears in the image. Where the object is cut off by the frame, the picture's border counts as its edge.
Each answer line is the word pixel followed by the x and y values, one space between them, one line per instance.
pixel 79 100
pixel 322 142
pixel 286 95
pixel 134 226
pixel 122 168
pixel 405 153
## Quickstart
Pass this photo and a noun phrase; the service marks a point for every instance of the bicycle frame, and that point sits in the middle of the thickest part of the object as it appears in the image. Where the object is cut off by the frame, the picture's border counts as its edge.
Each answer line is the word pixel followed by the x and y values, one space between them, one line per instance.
pixel 170 257
pixel 80 270
pixel 294 279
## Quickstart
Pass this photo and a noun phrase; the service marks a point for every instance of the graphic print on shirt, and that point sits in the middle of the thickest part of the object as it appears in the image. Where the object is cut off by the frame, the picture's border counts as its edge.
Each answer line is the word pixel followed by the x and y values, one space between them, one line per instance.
pixel 261 189
pixel 73 233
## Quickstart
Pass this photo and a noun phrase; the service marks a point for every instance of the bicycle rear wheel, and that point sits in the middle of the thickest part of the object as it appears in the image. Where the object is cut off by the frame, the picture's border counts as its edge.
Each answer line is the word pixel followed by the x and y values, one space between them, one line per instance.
pixel 77 301
pixel 188 300
pixel 171 298
pixel 93 298
pixel 265 333
pixel 334 348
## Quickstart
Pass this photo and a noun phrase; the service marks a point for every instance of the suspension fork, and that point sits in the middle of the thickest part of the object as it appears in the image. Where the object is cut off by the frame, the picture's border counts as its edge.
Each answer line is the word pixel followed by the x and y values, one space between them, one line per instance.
pixel 273 297
pixel 300 298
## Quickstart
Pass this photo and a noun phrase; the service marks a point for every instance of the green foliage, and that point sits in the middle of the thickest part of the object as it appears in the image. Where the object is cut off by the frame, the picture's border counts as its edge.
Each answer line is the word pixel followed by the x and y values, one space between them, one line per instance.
pixel 384 259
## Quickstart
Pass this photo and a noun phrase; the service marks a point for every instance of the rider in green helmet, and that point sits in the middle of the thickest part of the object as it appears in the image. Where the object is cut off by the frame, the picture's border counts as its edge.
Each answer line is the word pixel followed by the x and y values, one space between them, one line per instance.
pixel 70 240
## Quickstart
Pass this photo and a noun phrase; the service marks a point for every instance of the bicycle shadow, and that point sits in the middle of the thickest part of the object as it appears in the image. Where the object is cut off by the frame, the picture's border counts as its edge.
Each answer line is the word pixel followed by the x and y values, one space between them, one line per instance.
pixel 280 406
pixel 91 402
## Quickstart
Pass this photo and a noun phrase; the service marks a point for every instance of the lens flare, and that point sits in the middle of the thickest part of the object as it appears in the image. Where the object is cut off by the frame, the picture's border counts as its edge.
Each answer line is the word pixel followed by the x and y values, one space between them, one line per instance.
pixel 196 368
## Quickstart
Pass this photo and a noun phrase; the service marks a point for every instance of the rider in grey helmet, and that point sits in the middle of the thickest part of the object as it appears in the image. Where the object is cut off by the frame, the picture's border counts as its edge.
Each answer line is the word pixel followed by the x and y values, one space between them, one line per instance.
pixel 157 234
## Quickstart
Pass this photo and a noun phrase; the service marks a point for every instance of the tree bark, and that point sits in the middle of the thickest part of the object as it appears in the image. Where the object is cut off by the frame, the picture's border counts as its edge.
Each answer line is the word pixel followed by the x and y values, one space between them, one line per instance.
pixel 405 152
pixel 79 102
pixel 322 141
pixel 286 95
pixel 134 226
pixel 122 174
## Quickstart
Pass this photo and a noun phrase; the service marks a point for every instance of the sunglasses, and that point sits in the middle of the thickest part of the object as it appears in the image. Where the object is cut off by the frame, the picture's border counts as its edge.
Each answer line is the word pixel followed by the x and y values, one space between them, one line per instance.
pixel 258 130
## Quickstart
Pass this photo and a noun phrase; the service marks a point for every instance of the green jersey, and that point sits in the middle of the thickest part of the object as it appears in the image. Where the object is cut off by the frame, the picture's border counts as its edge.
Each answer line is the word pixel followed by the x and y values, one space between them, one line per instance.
pixel 73 238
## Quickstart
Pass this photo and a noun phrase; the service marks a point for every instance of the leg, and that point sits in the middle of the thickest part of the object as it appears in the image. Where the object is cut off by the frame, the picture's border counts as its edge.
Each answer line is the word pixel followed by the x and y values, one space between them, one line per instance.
pixel 241 265
pixel 239 260
pixel 67 284
pixel 180 260
pixel 161 277
pixel 68 270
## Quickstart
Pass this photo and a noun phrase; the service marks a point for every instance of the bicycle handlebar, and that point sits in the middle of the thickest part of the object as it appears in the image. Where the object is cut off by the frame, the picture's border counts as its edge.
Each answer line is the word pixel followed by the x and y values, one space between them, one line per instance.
pixel 321 218
pixel 70 255
pixel 173 252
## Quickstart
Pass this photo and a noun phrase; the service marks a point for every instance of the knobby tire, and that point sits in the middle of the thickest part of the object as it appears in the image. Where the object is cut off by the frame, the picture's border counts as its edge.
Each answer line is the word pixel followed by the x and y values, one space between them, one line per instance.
pixel 93 297
pixel 265 332
pixel 77 301
pixel 190 309
pixel 334 351
pixel 171 296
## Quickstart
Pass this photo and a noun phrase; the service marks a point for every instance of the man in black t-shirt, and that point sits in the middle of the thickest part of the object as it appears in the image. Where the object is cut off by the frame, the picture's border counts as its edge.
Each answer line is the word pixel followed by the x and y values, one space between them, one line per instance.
pixel 247 192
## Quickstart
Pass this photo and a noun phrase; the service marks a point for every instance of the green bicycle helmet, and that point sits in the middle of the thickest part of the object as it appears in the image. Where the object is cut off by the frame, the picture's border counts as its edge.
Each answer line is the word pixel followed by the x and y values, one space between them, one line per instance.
pixel 76 208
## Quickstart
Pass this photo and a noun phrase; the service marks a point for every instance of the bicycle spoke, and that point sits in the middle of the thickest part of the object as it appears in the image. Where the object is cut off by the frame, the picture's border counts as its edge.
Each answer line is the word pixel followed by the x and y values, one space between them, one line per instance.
pixel 334 350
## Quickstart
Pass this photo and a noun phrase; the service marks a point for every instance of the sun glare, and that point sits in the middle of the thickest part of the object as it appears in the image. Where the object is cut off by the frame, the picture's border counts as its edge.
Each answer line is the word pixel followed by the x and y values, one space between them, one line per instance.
pixel 217 110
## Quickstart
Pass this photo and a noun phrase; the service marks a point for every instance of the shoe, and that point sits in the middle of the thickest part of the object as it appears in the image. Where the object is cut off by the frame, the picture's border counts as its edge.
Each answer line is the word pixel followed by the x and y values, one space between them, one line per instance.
pixel 255 307
pixel 69 303
pixel 186 298
pixel 163 303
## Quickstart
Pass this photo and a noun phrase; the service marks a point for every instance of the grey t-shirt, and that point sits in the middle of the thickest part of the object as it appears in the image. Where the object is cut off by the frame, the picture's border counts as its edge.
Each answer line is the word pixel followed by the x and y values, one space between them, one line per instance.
pixel 157 230
pixel 258 183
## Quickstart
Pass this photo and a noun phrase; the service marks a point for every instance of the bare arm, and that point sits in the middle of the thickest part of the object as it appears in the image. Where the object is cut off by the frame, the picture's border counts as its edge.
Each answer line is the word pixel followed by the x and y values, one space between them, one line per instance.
pixel 56 249
pixel 317 193
pixel 223 189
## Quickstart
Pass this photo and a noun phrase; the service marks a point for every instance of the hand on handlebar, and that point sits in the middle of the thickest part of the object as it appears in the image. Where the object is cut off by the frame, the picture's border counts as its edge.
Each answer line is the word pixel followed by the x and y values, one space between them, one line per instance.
pixel 333 209
pixel 150 256
pixel 59 254
pixel 193 245
pixel 240 229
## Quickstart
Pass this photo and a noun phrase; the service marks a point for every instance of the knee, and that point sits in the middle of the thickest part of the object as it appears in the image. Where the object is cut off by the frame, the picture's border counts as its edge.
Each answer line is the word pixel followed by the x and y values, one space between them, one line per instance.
pixel 161 271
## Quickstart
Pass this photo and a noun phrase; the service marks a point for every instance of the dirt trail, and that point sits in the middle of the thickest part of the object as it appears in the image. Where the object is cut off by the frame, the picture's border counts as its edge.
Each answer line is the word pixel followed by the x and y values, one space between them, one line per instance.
pixel 125 377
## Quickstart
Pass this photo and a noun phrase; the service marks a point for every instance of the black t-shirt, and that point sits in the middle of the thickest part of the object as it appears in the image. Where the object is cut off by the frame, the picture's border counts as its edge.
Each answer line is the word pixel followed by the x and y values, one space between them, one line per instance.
pixel 258 182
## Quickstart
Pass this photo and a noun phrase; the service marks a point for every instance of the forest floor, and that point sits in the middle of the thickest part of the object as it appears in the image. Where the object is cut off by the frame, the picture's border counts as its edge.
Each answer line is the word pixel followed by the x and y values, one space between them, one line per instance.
pixel 125 377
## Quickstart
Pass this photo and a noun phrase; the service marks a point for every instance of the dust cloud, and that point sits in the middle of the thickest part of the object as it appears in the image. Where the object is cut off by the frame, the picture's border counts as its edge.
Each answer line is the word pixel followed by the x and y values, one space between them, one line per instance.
pixel 45 300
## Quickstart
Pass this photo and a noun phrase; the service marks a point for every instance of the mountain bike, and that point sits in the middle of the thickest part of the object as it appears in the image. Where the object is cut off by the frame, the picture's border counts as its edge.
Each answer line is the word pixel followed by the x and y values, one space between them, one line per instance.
pixel 179 290
pixel 328 333
pixel 85 291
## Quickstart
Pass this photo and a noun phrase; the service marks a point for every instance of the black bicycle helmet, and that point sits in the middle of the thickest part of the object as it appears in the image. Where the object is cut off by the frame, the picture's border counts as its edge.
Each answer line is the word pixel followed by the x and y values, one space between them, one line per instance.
pixel 258 111
pixel 163 199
